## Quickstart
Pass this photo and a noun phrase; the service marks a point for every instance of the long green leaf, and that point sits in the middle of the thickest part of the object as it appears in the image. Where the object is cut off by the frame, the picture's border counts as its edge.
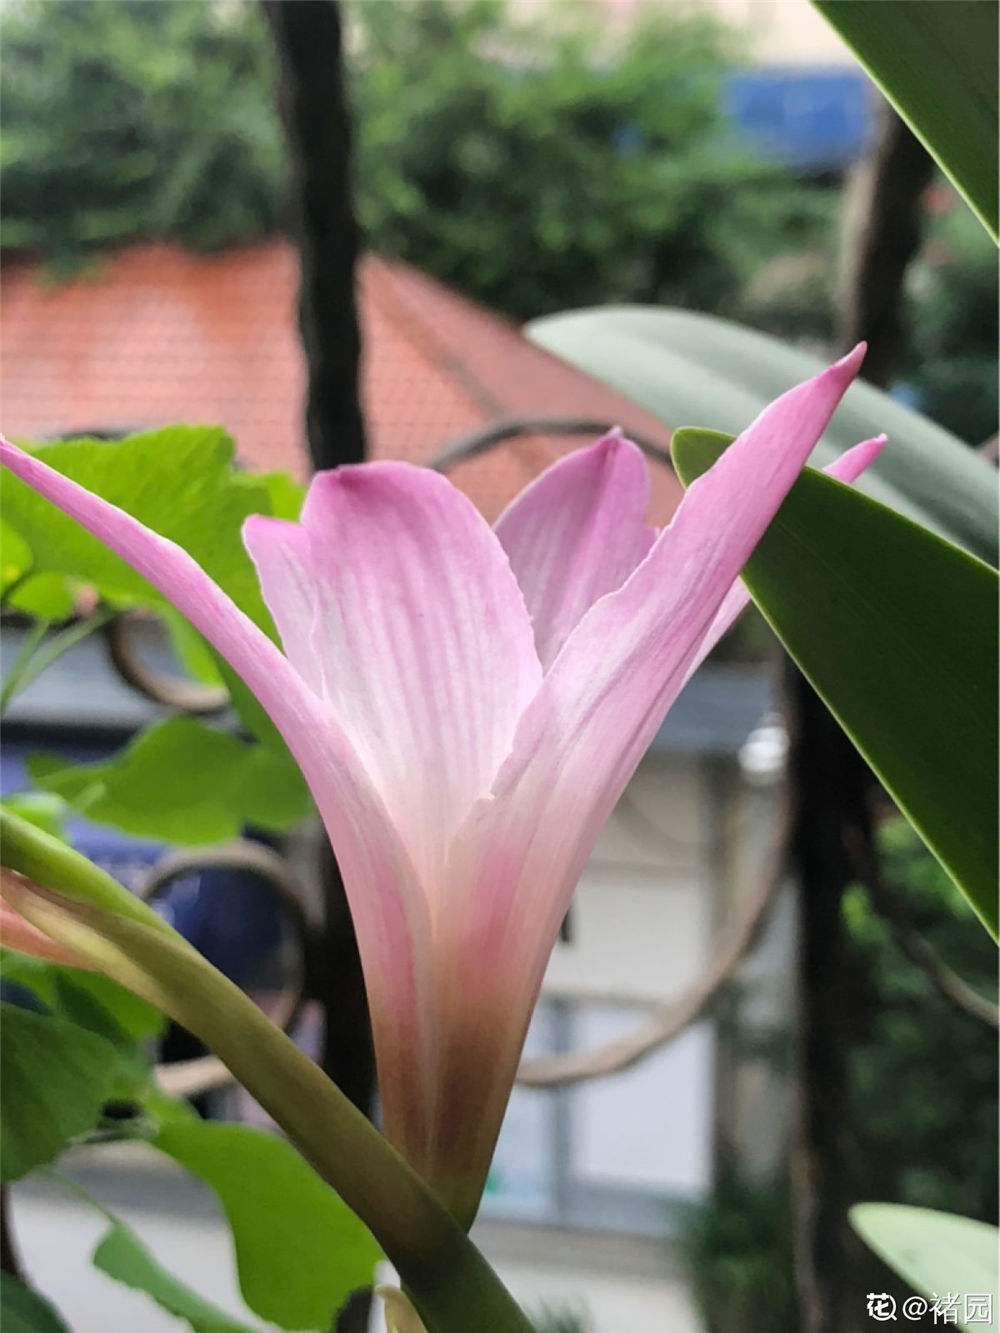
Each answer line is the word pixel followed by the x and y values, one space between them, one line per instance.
pixel 897 630
pixel 937 1253
pixel 684 367
pixel 936 61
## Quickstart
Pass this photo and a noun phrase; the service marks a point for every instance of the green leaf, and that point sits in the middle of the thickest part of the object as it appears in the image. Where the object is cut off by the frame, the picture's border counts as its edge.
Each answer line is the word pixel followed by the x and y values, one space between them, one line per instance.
pixel 45 596
pixel 43 809
pixel 122 1256
pixel 182 781
pixel 936 61
pixel 25 1311
pixel 897 631
pixel 15 555
pixel 935 1252
pixel 286 493
pixel 54 1079
pixel 170 479
pixel 97 1005
pixel 684 367
pixel 134 1018
pixel 300 1251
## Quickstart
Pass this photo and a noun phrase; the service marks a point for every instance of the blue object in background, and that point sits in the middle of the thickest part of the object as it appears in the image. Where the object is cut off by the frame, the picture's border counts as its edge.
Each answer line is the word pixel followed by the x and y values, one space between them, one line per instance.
pixel 233 917
pixel 814 119
pixel 125 858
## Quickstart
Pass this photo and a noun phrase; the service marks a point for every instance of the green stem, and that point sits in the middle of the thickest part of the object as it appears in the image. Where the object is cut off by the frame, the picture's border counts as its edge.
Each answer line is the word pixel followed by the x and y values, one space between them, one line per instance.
pixel 30 663
pixel 451 1284
pixel 14 677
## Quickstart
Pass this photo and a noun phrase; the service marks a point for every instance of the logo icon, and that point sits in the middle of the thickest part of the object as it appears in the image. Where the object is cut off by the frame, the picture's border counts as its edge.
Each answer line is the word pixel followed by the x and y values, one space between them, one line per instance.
pixel 881 1306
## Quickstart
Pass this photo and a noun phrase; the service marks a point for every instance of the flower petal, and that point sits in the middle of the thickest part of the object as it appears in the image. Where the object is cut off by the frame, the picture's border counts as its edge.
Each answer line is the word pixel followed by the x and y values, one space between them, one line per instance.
pixel 576 533
pixel 847 468
pixel 419 637
pixel 387 906
pixel 21 935
pixel 518 857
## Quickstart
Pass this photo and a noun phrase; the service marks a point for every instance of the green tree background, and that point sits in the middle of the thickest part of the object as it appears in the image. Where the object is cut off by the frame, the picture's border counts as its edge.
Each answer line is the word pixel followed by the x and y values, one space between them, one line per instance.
pixel 502 157
pixel 536 166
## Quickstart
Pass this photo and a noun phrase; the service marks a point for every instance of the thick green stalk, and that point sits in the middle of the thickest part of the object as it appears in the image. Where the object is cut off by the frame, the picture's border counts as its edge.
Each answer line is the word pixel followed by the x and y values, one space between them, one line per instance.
pixel 449 1281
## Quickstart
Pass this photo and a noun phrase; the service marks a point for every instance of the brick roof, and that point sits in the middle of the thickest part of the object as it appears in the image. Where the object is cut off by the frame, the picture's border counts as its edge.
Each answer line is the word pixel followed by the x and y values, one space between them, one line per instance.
pixel 153 334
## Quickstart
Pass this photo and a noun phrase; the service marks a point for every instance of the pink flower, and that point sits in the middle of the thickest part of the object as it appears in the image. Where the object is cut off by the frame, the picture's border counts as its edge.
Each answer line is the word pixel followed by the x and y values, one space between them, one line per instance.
pixel 467 705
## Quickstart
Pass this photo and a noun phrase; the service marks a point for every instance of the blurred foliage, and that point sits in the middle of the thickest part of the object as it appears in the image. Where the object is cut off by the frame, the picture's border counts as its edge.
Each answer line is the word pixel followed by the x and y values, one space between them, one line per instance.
pixel 77 1069
pixel 949 368
pixel 739 1250
pixel 136 118
pixel 923 1103
pixel 558 163
pixel 923 1074
pixel 952 363
pixel 182 781
pixel 534 165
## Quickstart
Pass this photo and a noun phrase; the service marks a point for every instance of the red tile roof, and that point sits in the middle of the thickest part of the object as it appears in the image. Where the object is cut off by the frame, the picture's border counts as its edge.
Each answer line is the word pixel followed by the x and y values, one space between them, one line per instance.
pixel 154 334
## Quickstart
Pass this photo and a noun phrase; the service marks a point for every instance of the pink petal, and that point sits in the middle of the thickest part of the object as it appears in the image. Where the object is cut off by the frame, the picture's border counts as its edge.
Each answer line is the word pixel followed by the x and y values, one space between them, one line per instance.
pixel 577 533
pixel 847 468
pixel 416 636
pixel 387 905
pixel 518 858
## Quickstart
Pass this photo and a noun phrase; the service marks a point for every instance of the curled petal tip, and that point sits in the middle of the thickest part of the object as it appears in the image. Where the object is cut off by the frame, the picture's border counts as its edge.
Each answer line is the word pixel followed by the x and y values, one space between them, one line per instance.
pixel 851 363
pixel 849 466
pixel 609 443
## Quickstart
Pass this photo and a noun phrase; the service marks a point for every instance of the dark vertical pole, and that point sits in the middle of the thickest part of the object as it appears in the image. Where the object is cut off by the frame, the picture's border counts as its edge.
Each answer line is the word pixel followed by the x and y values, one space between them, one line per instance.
pixel 885 225
pixel 308 40
pixel 830 782
pixel 312 93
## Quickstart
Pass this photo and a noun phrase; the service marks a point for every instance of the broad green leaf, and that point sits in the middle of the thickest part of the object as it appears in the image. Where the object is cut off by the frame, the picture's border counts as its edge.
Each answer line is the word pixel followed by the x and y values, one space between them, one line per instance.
pixel 300 1251
pixel 15 555
pixel 100 1005
pixel 936 61
pixel 45 596
pixel 937 1253
pixel 684 367
pixel 182 781
pixel 171 479
pixel 122 1256
pixel 286 493
pixel 74 994
pixel 897 631
pixel 25 1311
pixel 54 1079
